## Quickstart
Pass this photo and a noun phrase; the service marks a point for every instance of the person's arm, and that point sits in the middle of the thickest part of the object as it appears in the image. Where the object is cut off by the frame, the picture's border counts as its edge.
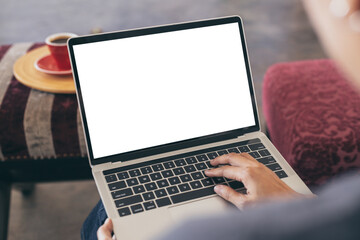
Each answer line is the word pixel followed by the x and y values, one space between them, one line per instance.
pixel 337 33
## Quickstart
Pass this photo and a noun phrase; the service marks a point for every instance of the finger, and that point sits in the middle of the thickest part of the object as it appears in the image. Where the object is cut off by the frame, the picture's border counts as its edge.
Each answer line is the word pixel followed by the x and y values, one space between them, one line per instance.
pixel 104 232
pixel 226 171
pixel 234 159
pixel 248 156
pixel 229 194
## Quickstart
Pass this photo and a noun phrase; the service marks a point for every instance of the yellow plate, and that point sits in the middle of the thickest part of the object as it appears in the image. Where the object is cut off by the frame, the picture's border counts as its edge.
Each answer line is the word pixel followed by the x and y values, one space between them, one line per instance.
pixel 25 72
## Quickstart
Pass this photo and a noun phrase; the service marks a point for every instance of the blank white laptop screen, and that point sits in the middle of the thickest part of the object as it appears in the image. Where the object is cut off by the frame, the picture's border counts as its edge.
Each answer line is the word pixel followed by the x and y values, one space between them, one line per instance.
pixel 150 90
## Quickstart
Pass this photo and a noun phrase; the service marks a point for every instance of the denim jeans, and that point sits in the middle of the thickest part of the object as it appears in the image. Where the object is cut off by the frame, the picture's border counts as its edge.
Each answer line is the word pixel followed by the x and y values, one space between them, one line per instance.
pixel 95 219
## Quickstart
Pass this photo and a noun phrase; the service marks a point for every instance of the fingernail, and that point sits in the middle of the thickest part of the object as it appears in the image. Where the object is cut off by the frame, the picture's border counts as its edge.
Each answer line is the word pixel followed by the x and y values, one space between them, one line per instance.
pixel 218 189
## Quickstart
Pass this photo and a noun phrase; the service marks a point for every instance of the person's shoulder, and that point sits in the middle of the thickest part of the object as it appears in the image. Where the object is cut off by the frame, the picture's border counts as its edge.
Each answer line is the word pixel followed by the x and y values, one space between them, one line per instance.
pixel 345 184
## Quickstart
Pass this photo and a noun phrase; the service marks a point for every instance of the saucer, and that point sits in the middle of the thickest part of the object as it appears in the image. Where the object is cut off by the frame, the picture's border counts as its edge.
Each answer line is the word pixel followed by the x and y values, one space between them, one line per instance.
pixel 48 65
pixel 25 72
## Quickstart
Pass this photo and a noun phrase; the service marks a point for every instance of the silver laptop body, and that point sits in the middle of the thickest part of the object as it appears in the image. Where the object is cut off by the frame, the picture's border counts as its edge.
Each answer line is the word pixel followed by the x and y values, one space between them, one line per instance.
pixel 156 104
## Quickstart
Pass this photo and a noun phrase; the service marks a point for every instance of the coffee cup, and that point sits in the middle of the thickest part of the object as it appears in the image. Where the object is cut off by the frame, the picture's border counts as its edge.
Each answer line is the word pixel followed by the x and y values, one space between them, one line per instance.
pixel 57 44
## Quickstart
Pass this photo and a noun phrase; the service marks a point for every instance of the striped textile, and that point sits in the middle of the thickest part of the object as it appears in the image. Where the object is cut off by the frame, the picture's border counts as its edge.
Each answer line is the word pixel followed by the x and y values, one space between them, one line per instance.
pixel 35 124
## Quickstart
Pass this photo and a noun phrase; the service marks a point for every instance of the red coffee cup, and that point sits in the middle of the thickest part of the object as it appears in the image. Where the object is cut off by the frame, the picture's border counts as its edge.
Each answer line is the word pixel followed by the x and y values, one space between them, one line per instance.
pixel 57 44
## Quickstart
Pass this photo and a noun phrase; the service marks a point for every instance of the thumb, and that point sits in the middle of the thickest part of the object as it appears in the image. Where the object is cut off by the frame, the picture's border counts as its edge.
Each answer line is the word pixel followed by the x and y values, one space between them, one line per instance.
pixel 229 194
pixel 105 231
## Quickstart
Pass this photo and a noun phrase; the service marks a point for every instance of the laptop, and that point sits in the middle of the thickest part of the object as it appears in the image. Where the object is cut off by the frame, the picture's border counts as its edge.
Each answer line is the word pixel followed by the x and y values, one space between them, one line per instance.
pixel 156 105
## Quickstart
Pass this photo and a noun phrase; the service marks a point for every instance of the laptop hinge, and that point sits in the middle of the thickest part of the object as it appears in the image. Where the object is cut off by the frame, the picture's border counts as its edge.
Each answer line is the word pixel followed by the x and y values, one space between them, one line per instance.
pixel 110 164
pixel 249 135
pixel 102 166
pixel 242 135
pixel 113 162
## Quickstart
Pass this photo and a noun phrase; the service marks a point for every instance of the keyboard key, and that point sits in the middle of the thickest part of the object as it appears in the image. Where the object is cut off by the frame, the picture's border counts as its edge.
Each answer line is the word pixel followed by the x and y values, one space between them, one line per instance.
pixel 155 176
pixel 186 196
pixel 195 184
pixel 264 153
pixel 149 205
pixel 202 158
pixel 184 187
pixel 169 165
pixel 185 178
pixel 162 183
pixel 233 150
pixel 172 190
pixel 255 154
pixel 124 212
pixel 236 185
pixel 212 155
pixel 122 193
pixel 274 166
pixel 117 185
pixel 281 174
pixel 244 149
pixel 148 196
pixel 123 175
pixel 257 146
pixel 127 201
pixel 190 168
pixel 132 182
pixel 144 179
pixel 157 167
pixel 111 178
pixel 207 182
pixel 266 160
pixel 160 193
pixel 191 160
pixel 150 186
pixel 167 173
pixel 208 164
pixel 222 152
pixel 139 189
pixel 135 173
pixel 218 180
pixel 180 162
pixel 137 208
pixel 174 180
pixel 163 202
pixel 200 166
pixel 179 171
pixel 146 170
pixel 197 175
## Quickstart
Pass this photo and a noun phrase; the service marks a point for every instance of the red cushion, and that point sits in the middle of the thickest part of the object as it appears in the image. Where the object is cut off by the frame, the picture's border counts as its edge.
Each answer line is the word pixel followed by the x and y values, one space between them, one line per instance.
pixel 313 118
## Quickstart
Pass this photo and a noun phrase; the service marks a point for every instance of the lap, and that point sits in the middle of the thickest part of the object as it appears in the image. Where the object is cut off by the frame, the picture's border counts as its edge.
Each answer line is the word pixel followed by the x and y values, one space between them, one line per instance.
pixel 95 219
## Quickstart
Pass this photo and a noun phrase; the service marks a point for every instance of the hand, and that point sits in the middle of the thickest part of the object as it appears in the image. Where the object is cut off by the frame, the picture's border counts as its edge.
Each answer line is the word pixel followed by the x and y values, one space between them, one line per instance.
pixel 259 181
pixel 105 231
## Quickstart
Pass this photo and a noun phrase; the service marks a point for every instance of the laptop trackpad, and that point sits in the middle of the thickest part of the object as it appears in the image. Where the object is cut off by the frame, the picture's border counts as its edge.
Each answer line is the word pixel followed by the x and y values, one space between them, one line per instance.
pixel 201 208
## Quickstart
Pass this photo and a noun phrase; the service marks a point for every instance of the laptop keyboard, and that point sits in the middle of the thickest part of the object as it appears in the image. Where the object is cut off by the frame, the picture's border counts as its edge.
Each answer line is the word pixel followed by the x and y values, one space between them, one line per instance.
pixel 158 183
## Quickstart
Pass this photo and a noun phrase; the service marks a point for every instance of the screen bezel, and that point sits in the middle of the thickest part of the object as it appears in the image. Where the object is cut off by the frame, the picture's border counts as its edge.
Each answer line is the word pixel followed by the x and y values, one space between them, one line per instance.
pixel 127 156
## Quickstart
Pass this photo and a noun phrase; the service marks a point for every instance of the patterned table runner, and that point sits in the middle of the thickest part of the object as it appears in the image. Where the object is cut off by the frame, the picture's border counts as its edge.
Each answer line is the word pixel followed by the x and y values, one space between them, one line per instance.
pixel 35 124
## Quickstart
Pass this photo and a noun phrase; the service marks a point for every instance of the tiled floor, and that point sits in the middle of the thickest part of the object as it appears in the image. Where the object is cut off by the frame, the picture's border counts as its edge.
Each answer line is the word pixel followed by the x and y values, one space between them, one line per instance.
pixel 276 31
